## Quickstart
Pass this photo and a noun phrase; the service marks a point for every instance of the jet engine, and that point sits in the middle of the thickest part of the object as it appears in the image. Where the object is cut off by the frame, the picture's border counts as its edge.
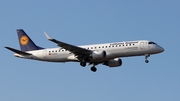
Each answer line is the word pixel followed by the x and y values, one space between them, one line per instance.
pixel 113 63
pixel 98 55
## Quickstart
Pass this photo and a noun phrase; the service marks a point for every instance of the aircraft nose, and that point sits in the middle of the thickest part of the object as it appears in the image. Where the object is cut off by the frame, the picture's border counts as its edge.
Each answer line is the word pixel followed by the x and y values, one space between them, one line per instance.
pixel 161 49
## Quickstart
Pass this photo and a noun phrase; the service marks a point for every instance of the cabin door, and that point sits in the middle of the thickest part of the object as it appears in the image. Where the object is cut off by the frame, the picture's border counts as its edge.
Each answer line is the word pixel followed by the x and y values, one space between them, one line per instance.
pixel 141 45
pixel 45 53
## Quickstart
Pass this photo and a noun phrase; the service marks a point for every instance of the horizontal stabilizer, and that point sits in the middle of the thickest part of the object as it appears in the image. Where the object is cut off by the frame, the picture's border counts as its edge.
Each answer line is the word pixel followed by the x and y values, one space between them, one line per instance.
pixel 17 51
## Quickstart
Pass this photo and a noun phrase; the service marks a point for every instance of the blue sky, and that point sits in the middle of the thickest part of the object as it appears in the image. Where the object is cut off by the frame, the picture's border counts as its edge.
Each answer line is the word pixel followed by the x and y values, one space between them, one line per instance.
pixel 87 22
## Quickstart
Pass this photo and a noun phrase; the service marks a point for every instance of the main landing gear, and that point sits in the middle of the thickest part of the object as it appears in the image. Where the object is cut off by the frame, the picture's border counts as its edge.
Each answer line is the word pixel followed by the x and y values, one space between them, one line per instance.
pixel 93 68
pixel 146 58
pixel 83 64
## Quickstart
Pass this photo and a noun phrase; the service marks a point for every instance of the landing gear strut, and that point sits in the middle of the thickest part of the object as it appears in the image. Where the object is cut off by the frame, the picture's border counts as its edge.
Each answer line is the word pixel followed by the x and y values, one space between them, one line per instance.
pixel 146 58
pixel 93 68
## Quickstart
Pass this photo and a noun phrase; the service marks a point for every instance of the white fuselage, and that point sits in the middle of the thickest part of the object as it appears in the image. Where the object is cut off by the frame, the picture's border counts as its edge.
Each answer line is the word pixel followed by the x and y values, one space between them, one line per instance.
pixel 113 50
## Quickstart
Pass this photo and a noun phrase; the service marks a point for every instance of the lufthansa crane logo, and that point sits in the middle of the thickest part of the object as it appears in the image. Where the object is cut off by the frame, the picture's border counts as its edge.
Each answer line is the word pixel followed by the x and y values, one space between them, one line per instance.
pixel 24 40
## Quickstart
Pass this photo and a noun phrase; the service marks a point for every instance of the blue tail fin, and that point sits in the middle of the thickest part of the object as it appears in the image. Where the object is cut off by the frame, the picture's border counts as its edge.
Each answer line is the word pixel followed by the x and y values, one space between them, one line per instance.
pixel 25 42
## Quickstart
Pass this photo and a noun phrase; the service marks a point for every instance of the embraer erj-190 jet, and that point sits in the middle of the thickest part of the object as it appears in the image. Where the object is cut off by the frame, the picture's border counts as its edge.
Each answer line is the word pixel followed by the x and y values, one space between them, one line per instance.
pixel 108 54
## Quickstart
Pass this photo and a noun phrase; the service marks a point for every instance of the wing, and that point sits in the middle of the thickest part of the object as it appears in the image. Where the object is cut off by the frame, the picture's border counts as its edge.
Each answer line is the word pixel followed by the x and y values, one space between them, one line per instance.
pixel 78 51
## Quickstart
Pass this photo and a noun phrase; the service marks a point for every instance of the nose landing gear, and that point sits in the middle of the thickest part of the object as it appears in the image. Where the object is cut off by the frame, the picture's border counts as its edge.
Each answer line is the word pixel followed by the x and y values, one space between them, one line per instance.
pixel 146 58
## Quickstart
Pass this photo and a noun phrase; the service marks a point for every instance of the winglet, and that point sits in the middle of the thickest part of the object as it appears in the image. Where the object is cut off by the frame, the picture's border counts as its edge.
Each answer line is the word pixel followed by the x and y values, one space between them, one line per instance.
pixel 51 39
pixel 47 36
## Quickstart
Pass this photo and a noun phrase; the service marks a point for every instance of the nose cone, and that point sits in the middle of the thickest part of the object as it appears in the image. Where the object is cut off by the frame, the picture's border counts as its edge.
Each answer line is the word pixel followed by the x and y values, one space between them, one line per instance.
pixel 161 49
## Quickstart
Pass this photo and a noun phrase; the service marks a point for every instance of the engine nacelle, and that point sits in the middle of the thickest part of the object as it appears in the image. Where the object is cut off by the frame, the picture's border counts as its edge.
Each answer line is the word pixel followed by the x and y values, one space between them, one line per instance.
pixel 113 63
pixel 98 55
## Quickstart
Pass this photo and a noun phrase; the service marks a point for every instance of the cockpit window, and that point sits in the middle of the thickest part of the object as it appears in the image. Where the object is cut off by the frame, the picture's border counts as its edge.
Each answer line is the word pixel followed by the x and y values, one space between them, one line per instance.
pixel 151 43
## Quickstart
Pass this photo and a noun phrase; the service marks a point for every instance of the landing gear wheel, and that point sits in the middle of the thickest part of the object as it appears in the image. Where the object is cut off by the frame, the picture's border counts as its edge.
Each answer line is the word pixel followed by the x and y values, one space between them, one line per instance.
pixel 94 69
pixel 83 64
pixel 147 61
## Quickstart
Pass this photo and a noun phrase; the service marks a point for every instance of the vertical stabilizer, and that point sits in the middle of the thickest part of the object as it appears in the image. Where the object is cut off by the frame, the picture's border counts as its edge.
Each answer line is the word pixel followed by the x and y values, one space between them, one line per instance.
pixel 25 42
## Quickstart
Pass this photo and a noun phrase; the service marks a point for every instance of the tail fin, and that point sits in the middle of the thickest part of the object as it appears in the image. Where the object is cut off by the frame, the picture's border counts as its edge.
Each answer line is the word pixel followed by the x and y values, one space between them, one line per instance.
pixel 25 41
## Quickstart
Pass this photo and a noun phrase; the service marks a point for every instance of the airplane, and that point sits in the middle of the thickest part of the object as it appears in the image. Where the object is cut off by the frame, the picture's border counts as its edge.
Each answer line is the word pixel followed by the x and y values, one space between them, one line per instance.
pixel 108 54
